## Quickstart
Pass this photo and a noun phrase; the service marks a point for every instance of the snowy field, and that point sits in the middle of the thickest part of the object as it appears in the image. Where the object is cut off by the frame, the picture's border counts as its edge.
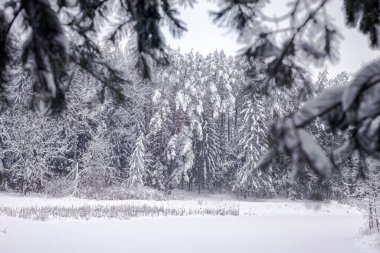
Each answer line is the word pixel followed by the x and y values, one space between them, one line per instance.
pixel 257 226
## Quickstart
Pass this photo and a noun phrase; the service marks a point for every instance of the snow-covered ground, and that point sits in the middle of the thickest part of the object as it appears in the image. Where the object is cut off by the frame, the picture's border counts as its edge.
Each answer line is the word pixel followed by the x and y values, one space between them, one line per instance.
pixel 261 226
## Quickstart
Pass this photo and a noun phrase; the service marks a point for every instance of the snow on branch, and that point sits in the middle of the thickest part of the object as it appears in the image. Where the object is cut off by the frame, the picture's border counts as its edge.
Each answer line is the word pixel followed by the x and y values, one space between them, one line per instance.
pixel 356 106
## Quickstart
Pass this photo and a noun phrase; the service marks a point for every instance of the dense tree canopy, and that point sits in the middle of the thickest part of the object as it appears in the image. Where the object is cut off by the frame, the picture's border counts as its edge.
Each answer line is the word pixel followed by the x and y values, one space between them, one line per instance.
pixel 201 132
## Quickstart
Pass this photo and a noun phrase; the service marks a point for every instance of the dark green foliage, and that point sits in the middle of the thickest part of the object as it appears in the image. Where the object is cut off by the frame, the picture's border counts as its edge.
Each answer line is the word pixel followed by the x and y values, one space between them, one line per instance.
pixel 310 36
pixel 239 14
pixel 45 54
pixel 367 14
pixel 66 31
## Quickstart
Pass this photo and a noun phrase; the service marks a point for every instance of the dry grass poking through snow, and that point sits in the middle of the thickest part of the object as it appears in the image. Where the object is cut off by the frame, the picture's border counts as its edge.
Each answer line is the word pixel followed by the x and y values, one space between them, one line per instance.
pixel 118 211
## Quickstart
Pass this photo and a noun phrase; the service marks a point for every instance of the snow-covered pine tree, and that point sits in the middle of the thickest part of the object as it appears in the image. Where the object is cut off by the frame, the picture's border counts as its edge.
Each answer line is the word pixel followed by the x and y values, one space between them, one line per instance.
pixel 207 154
pixel 180 156
pixel 158 136
pixel 136 170
pixel 97 168
pixel 253 143
pixel 207 146
pixel 156 174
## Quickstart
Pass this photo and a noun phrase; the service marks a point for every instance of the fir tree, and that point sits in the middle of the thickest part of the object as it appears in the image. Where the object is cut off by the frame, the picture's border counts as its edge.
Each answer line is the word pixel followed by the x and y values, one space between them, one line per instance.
pixel 136 171
pixel 207 155
pixel 253 144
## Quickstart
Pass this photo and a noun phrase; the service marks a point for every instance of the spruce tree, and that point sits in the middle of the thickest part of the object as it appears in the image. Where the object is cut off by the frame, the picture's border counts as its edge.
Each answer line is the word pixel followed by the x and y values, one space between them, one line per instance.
pixel 136 170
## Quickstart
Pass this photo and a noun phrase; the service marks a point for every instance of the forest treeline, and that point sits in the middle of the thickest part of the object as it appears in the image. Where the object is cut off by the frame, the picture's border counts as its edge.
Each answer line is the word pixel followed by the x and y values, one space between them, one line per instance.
pixel 195 125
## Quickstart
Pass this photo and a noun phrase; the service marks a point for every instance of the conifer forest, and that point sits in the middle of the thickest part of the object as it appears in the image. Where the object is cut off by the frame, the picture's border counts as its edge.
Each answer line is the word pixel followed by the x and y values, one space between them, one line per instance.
pixel 189 126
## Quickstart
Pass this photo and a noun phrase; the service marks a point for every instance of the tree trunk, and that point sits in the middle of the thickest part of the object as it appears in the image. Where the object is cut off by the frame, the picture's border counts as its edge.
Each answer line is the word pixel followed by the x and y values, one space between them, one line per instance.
pixel 228 129
pixel 376 217
pixel 161 134
pixel 177 125
pixel 370 218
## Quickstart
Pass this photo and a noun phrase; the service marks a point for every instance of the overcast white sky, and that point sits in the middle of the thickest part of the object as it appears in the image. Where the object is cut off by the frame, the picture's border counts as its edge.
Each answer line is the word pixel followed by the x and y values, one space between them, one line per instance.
pixel 204 36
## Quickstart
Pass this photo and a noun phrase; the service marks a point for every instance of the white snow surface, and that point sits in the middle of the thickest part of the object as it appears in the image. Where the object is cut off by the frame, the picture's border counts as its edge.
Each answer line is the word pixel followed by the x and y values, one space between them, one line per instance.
pixel 277 226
